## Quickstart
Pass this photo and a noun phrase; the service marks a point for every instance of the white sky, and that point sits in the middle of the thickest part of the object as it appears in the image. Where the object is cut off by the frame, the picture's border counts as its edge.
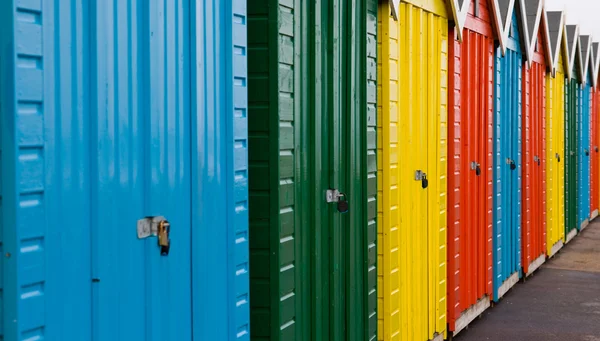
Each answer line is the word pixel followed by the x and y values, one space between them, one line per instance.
pixel 582 12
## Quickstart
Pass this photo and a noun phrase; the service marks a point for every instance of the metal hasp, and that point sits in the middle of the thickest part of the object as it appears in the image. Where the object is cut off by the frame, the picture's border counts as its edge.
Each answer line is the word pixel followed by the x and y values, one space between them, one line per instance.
pixel 156 226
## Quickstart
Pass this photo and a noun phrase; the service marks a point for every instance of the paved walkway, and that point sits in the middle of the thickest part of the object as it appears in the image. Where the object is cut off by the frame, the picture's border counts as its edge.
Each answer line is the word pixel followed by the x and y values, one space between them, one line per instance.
pixel 561 301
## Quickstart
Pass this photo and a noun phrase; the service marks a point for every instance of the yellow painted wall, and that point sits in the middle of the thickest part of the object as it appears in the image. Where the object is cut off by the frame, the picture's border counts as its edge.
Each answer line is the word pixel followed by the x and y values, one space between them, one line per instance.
pixel 555 144
pixel 412 135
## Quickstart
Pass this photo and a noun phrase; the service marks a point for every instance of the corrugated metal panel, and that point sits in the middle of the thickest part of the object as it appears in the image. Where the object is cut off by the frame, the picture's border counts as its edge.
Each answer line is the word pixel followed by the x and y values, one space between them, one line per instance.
pixel 533 223
pixel 571 89
pixel 470 188
pixel 507 164
pixel 115 107
pixel 412 126
pixel 555 160
pixel 312 128
pixel 584 150
pixel 595 155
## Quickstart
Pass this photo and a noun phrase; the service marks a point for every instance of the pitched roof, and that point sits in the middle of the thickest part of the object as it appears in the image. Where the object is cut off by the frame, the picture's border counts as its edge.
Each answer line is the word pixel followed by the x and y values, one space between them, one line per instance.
pixel 556 23
pixel 594 59
pixel 502 14
pixel 457 15
pixel 572 34
pixel 595 62
pixel 460 10
pixel 533 17
pixel 585 46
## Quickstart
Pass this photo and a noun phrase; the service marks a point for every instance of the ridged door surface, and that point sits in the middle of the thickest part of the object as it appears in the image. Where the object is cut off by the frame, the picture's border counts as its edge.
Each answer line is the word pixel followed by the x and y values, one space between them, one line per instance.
pixel 584 153
pixel 533 218
pixel 312 127
pixel 571 89
pixel 412 225
pixel 117 111
pixel 594 154
pixel 507 161
pixel 471 73
pixel 555 156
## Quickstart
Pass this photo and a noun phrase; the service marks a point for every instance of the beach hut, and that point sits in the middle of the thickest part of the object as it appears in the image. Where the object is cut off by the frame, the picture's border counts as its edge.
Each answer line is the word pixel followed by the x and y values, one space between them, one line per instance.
pixel 540 63
pixel 412 158
pixel 555 136
pixel 470 143
pixel 312 69
pixel 123 171
pixel 583 133
pixel 507 160
pixel 595 133
pixel 572 107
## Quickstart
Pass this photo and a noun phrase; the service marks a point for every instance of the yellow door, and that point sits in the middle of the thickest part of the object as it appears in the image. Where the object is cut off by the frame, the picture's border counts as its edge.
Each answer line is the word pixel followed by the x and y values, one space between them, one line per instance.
pixel 412 97
pixel 555 169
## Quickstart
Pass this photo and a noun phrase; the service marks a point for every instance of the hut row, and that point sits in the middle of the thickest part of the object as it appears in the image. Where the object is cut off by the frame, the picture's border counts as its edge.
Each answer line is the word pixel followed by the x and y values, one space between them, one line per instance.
pixel 285 169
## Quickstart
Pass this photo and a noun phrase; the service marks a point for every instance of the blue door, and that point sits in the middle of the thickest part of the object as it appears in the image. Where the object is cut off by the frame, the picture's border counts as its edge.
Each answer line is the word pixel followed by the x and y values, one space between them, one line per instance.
pixel 583 153
pixel 113 112
pixel 507 165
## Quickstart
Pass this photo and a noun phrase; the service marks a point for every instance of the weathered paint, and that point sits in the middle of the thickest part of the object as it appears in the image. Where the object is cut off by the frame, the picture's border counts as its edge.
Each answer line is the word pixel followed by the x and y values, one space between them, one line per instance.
pixel 470 116
pixel 555 158
pixel 312 121
pixel 412 124
pixel 113 111
pixel 507 151
pixel 533 218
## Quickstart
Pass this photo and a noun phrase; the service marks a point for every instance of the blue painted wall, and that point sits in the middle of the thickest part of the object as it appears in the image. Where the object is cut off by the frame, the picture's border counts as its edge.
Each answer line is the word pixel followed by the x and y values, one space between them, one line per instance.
pixel 584 150
pixel 113 111
pixel 507 145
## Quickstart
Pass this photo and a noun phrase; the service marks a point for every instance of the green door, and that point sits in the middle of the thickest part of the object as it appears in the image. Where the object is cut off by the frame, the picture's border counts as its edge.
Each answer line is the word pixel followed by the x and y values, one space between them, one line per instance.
pixel 312 120
pixel 571 88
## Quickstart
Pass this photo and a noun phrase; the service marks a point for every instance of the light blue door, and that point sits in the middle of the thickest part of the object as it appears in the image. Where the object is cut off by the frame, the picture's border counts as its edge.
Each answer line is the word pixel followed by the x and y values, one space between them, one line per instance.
pixel 583 134
pixel 111 112
pixel 507 162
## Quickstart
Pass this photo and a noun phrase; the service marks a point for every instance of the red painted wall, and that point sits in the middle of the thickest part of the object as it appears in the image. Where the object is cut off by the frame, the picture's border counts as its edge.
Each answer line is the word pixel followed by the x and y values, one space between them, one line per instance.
pixel 533 217
pixel 595 162
pixel 470 132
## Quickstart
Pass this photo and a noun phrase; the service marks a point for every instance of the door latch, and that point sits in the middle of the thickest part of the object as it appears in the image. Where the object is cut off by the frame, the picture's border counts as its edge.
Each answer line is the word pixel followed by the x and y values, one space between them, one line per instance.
pixel 537 160
pixel 476 167
pixel 156 226
pixel 511 163
pixel 422 176
pixel 334 195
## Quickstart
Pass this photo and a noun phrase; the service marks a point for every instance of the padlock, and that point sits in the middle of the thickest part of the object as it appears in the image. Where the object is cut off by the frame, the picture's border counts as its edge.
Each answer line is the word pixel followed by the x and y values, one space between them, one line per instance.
pixel 164 229
pixel 424 181
pixel 342 204
pixel 478 170
pixel 513 165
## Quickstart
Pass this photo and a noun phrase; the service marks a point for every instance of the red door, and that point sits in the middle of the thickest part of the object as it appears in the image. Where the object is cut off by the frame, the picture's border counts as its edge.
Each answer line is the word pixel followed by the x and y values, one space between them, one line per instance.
pixel 470 167
pixel 595 162
pixel 533 218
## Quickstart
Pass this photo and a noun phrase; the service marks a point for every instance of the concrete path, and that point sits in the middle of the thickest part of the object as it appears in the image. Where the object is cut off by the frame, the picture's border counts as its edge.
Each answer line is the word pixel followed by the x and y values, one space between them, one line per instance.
pixel 561 301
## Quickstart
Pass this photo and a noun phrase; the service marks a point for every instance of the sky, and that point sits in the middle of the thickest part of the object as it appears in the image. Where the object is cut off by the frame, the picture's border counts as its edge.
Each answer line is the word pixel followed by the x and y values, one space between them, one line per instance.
pixel 582 12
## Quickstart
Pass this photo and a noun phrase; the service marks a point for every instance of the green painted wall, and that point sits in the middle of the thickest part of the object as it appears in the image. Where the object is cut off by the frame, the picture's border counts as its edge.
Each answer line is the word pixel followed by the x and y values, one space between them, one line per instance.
pixel 312 126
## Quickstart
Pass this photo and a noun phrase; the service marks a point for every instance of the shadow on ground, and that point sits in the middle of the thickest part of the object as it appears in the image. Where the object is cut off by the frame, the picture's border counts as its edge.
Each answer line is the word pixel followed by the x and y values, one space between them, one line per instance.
pixel 561 301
